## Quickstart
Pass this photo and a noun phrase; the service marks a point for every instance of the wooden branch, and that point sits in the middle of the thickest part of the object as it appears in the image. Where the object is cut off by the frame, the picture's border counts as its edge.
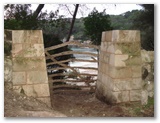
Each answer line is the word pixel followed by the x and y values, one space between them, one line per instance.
pixel 71 52
pixel 68 67
pixel 71 43
pixel 72 23
pixel 66 74
pixel 63 65
pixel 65 80
pixel 71 60
pixel 72 91
pixel 38 10
pixel 69 86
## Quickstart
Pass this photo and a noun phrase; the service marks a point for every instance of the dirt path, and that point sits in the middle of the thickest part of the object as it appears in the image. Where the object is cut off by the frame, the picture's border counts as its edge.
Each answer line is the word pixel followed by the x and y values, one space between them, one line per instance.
pixel 19 105
pixel 70 105
pixel 86 105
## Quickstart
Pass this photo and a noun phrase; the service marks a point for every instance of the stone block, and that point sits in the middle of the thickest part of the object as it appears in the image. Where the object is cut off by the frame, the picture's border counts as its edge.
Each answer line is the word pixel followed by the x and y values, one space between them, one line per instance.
pixel 136 71
pixel 135 95
pixel 122 84
pixel 17 50
pixel 144 97
pixel 18 78
pixel 147 56
pixel 103 46
pixel 136 83
pixel 104 68
pixel 104 79
pixel 119 72
pixel 42 90
pixel 133 61
pixel 29 90
pixel 17 88
pixel 103 37
pixel 34 77
pixel 7 69
pixel 106 58
pixel 109 36
pixel 125 96
pixel 99 76
pixel 33 50
pixel 27 64
pixel 36 36
pixel 118 60
pixel 27 36
pixel 110 47
pixel 18 36
pixel 104 94
pixel 131 48
pixel 121 96
pixel 45 100
pixel 126 36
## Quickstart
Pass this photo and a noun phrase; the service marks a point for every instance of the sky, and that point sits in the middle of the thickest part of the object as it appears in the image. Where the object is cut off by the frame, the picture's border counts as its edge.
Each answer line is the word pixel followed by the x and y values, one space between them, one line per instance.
pixel 85 9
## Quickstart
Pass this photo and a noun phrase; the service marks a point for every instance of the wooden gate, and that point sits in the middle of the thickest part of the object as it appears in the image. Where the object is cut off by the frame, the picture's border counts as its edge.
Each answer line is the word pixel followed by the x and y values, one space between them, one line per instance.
pixel 72 78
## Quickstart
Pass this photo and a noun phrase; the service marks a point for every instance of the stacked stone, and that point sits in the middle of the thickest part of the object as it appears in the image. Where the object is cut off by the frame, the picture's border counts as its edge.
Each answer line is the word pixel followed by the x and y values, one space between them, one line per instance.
pixel 119 73
pixel 29 66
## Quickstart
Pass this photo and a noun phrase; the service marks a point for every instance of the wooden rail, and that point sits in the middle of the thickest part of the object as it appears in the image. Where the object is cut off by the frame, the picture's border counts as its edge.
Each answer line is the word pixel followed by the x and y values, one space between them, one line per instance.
pixel 86 78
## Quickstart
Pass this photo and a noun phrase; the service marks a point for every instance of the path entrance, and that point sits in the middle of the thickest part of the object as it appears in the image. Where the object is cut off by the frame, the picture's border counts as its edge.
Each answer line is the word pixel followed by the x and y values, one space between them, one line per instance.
pixel 75 74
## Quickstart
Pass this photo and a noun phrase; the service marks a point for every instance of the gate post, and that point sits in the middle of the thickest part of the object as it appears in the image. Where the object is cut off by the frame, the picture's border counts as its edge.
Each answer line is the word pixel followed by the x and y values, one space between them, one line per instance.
pixel 29 66
pixel 119 72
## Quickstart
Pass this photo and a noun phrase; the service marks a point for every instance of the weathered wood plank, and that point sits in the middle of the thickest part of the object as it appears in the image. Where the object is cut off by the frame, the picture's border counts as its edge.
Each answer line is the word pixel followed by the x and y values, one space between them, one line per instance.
pixel 71 52
pixel 66 74
pixel 64 65
pixel 71 43
pixel 67 67
pixel 72 60
pixel 70 86
pixel 73 91
pixel 66 80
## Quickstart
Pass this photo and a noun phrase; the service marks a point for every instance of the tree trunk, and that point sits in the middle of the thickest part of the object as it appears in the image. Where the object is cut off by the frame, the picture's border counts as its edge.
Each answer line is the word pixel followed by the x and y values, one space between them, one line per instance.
pixel 73 20
pixel 38 10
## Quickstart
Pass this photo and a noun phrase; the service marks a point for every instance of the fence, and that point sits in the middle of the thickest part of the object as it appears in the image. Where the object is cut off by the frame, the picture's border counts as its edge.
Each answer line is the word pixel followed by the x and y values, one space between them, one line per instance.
pixel 64 77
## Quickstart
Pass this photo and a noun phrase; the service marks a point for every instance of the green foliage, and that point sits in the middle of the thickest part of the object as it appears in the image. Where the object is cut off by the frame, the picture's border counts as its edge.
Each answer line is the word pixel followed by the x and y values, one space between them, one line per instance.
pixel 19 16
pixel 145 23
pixel 142 20
pixel 95 24
pixel 124 21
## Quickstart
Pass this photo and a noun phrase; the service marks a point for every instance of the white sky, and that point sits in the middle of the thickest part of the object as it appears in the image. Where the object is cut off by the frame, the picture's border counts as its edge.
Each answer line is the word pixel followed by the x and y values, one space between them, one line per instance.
pixel 115 9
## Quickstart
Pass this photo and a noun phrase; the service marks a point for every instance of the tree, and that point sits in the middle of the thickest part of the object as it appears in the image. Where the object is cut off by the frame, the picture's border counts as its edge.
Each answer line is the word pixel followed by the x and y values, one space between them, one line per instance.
pixel 73 20
pixel 95 24
pixel 145 23
pixel 20 16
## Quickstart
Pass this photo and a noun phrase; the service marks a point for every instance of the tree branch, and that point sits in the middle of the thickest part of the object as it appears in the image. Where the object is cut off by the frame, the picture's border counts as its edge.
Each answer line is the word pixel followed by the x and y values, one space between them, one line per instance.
pixel 38 10
pixel 73 20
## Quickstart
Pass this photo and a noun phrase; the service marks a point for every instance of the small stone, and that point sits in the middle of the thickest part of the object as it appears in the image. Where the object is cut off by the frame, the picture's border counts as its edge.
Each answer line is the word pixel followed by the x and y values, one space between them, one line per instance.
pixel 14 100
pixel 71 111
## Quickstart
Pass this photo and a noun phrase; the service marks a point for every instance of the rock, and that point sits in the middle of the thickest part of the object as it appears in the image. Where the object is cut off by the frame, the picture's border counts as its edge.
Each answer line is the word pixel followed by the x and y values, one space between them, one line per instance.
pixel 144 97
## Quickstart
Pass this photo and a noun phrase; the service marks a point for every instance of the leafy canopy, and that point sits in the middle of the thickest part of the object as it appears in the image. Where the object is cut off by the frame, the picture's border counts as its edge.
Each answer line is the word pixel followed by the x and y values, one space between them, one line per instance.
pixel 95 24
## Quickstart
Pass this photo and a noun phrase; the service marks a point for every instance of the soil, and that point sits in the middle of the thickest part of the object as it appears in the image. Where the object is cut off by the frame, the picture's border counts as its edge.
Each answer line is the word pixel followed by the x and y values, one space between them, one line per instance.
pixel 71 105
pixel 87 105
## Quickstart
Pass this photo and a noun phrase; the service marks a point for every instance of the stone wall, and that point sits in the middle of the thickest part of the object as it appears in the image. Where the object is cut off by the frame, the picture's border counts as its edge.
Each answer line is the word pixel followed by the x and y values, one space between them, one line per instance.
pixel 7 60
pixel 119 72
pixel 29 74
pixel 147 75
pixel 8 72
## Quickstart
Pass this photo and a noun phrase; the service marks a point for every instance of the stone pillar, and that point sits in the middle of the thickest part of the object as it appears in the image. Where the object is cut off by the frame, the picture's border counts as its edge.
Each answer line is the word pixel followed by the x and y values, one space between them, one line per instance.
pixel 29 66
pixel 119 73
